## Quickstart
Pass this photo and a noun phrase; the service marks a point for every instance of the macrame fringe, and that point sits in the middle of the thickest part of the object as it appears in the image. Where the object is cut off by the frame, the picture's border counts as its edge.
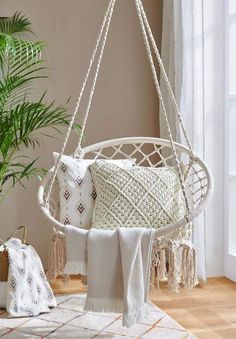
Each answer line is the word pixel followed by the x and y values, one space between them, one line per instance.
pixel 189 272
pixel 84 280
pixel 57 256
pixel 162 268
pixel 75 266
pixel 173 261
pixel 173 268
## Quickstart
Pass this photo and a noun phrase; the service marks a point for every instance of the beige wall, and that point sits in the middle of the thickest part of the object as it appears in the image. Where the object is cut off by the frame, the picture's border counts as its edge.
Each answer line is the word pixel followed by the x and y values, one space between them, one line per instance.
pixel 125 103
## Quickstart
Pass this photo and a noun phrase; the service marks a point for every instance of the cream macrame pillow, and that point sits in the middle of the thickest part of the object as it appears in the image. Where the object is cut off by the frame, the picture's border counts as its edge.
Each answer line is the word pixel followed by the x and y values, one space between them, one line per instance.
pixel 136 196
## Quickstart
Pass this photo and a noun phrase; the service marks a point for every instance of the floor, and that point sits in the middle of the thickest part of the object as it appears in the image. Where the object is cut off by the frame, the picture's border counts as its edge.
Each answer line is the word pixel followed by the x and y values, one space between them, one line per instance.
pixel 68 320
pixel 208 311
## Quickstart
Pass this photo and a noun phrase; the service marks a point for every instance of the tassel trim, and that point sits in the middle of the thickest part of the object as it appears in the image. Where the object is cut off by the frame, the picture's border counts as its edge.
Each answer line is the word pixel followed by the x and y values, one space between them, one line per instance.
pixel 57 255
pixel 173 261
pixel 103 305
pixel 116 306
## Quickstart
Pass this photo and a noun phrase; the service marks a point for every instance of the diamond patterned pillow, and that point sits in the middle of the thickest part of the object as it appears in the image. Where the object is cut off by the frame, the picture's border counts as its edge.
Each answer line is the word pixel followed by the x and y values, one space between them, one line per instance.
pixel 136 196
pixel 77 192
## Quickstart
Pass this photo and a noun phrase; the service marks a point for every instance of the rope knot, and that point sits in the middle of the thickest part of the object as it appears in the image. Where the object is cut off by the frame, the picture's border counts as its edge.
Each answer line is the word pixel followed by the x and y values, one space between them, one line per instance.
pixel 79 153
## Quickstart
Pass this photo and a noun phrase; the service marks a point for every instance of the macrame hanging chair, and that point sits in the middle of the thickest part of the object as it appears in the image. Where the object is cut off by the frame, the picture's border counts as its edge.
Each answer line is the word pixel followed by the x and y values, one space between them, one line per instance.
pixel 196 179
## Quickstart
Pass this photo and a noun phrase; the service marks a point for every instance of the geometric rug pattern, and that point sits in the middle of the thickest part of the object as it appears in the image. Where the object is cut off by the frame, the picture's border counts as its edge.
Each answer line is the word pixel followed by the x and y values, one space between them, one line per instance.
pixel 68 320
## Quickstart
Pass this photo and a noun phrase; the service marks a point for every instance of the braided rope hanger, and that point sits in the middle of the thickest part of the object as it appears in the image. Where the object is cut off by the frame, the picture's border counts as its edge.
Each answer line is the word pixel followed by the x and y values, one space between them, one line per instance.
pixel 147 34
pixel 158 89
pixel 165 77
pixel 104 27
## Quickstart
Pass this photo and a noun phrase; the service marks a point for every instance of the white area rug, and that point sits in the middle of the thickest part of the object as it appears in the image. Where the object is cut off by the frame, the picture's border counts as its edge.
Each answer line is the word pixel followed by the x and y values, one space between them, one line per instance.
pixel 68 320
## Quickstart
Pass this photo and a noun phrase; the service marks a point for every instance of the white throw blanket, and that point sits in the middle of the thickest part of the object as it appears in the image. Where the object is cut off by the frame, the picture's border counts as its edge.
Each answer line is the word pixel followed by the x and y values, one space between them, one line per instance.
pixel 118 267
pixel 28 291
pixel 76 250
pixel 136 250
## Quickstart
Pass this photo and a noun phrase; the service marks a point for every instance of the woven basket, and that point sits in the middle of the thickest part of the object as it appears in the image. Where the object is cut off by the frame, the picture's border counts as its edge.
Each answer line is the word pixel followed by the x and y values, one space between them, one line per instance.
pixel 4 254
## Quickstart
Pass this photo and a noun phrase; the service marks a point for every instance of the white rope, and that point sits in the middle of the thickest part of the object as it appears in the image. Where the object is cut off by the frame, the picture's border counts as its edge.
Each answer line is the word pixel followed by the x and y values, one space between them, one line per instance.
pixel 107 19
pixel 169 88
pixel 77 151
pixel 157 85
pixel 165 77
pixel 145 28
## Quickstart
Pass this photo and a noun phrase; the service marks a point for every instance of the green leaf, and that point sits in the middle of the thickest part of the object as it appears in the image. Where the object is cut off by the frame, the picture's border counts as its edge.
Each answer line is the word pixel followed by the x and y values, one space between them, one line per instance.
pixel 22 120
pixel 15 24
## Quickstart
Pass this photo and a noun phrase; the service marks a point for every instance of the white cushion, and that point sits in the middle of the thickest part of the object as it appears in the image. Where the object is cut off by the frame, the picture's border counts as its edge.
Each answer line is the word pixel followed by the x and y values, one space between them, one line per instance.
pixel 77 192
pixel 136 196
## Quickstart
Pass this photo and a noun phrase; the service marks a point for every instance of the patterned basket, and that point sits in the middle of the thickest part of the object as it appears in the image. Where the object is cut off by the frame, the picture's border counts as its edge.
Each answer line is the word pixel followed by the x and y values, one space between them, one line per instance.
pixel 4 254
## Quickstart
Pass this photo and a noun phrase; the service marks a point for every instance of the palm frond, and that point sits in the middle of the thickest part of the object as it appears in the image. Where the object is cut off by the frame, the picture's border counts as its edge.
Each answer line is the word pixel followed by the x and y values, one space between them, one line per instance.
pixel 25 54
pixel 19 171
pixel 27 118
pixel 19 69
pixel 16 53
pixel 21 120
pixel 15 24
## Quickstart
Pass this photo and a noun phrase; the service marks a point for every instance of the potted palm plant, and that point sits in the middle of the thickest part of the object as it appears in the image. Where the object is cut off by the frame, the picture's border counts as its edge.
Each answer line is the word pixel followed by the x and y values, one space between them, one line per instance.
pixel 21 118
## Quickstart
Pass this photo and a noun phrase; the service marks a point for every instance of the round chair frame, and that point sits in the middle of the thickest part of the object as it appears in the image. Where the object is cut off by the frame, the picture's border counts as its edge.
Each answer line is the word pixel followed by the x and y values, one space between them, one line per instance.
pixel 153 152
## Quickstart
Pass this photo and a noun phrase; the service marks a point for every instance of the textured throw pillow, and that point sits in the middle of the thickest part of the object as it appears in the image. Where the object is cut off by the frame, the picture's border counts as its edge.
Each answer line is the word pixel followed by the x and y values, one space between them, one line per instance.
pixel 77 192
pixel 136 196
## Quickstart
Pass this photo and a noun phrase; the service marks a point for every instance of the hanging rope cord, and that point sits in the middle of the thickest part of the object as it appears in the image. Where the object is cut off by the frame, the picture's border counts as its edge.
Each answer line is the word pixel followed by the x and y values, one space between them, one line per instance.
pixel 165 77
pixel 78 152
pixel 141 13
pixel 146 31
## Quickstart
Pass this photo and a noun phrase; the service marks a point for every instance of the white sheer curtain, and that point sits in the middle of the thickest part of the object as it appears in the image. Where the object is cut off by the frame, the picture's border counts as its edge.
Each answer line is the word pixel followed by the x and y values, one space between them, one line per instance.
pixel 192 52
